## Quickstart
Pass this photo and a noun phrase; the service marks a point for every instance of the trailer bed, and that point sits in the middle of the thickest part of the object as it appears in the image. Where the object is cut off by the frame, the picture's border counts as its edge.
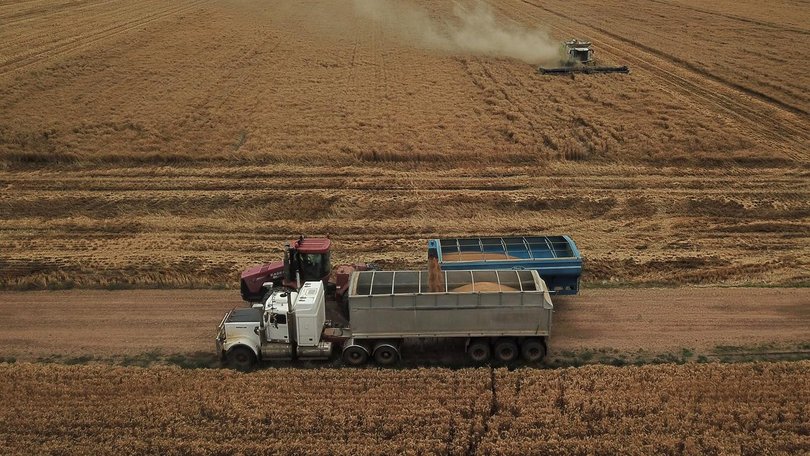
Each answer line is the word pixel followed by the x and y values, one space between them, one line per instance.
pixel 400 304
pixel 555 258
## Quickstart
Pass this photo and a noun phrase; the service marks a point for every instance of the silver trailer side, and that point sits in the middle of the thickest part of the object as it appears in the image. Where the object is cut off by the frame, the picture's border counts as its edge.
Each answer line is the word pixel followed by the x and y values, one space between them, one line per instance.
pixel 400 304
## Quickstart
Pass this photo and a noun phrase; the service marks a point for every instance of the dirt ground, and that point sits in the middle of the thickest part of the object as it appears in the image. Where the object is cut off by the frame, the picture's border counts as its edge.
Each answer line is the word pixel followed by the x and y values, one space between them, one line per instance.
pixel 106 324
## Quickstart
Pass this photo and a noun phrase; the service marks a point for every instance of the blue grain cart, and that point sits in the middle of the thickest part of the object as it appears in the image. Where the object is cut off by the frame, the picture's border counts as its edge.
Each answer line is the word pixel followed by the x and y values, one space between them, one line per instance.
pixel 555 258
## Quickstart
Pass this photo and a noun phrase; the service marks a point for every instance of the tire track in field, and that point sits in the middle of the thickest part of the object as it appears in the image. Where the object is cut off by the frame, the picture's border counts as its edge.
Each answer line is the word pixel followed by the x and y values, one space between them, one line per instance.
pixel 734 107
pixel 678 92
pixel 489 82
pixel 507 110
pixel 358 83
pixel 679 62
pixel 349 86
pixel 74 43
pixel 465 63
pixel 733 17
pixel 144 15
pixel 50 10
pixel 381 80
pixel 41 37
pixel 777 103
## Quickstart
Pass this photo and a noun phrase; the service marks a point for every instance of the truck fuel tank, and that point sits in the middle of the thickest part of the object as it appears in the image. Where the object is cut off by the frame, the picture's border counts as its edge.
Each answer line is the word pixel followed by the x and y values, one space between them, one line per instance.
pixel 321 351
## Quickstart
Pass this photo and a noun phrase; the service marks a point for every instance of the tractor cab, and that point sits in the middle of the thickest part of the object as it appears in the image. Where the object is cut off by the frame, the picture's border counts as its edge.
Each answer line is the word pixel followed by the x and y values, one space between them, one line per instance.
pixel 307 259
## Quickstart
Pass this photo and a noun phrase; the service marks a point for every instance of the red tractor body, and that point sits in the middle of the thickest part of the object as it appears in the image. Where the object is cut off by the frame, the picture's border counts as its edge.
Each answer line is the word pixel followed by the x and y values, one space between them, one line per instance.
pixel 305 259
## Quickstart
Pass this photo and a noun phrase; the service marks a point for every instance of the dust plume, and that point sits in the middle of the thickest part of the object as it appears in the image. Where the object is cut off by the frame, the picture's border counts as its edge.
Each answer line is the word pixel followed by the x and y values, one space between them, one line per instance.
pixel 473 29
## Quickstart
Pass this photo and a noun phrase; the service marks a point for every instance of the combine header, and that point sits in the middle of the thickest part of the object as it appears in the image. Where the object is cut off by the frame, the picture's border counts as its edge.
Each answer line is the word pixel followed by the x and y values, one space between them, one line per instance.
pixel 577 57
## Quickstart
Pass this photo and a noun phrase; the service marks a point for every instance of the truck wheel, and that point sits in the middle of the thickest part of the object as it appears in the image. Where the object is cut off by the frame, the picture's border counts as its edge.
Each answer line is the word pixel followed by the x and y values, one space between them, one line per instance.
pixel 241 359
pixel 532 350
pixel 506 350
pixel 355 355
pixel 386 354
pixel 479 351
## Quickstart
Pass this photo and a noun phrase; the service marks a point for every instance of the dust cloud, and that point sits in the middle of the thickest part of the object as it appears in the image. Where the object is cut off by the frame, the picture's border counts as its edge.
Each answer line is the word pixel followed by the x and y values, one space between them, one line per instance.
pixel 472 29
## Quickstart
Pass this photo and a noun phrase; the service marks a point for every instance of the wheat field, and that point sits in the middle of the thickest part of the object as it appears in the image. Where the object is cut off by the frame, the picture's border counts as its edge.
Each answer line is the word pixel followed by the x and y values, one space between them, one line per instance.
pixel 758 408
pixel 157 144
pixel 172 145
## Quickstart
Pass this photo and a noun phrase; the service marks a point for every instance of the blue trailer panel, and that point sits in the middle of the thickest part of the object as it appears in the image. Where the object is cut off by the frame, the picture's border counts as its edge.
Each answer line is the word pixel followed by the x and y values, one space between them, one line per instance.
pixel 555 258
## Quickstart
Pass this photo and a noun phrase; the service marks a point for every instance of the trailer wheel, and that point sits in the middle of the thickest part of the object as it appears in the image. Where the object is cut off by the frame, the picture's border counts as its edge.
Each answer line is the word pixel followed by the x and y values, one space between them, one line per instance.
pixel 355 355
pixel 533 350
pixel 479 351
pixel 386 354
pixel 506 350
pixel 241 358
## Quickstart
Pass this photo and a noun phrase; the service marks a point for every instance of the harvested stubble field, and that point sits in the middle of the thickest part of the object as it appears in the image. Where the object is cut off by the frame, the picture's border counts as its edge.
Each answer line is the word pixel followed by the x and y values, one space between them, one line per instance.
pixel 694 409
pixel 171 145
pixel 200 226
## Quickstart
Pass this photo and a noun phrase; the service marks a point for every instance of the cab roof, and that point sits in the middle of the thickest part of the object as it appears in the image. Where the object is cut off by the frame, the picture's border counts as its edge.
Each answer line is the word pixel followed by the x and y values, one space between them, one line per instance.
pixel 311 245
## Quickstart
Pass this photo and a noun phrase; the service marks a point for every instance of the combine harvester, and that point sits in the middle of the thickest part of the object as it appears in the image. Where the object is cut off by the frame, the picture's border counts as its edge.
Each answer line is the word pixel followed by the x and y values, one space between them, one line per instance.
pixel 577 57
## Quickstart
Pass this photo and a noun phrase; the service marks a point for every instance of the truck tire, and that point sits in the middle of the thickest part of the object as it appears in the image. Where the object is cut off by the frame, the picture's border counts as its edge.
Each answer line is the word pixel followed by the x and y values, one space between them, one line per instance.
pixel 241 358
pixel 533 350
pixel 355 355
pixel 506 350
pixel 479 351
pixel 386 354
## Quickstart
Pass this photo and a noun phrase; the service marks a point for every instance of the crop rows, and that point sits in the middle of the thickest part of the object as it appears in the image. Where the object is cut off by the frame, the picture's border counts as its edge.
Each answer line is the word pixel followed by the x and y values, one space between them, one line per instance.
pixel 667 409
pixel 201 226
pixel 92 410
pixel 241 82
pixel 709 409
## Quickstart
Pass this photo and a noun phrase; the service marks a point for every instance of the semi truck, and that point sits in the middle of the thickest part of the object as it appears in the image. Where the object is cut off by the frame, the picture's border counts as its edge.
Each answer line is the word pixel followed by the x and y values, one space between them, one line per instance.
pixel 555 258
pixel 499 314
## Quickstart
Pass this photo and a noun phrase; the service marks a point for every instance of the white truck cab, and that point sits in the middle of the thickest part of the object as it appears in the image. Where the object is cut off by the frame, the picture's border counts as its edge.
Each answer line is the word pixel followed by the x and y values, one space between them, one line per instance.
pixel 275 316
pixel 288 325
